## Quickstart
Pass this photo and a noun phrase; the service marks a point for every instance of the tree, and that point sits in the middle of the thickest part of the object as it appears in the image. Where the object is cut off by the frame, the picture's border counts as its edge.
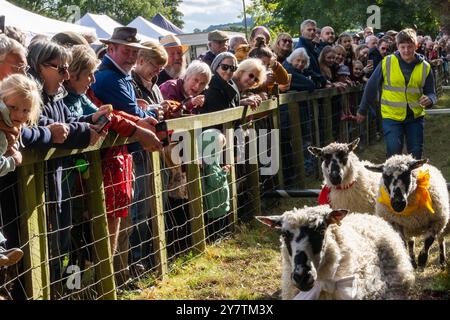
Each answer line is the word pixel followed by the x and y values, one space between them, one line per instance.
pixel 123 11
pixel 287 15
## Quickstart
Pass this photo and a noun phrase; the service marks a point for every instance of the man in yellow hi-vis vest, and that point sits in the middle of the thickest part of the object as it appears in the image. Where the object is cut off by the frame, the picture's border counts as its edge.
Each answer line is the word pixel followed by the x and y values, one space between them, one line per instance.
pixel 406 83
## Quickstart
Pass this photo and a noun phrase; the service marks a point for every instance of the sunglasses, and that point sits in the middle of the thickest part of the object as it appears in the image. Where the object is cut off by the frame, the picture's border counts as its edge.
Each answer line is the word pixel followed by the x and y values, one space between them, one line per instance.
pixel 61 69
pixel 226 67
pixel 286 40
pixel 252 76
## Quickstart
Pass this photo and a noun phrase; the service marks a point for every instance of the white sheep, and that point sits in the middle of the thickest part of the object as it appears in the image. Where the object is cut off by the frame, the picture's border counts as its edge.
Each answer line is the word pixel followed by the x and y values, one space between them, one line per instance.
pixel 405 189
pixel 347 183
pixel 328 255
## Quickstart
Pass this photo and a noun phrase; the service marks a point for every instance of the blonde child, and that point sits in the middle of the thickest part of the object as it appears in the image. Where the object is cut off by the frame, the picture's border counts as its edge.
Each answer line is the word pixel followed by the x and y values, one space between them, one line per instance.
pixel 20 102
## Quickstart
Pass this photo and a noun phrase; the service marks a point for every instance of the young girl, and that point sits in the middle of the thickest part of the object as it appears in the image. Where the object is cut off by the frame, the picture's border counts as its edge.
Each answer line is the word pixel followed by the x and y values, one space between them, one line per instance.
pixel 20 101
pixel 19 105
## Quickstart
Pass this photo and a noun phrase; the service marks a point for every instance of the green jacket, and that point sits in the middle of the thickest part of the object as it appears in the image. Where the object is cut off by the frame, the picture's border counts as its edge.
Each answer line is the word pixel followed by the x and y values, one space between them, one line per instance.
pixel 216 192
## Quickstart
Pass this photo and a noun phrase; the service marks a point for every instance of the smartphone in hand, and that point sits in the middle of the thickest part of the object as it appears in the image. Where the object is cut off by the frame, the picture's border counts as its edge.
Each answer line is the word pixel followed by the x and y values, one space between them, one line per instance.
pixel 102 122
pixel 162 133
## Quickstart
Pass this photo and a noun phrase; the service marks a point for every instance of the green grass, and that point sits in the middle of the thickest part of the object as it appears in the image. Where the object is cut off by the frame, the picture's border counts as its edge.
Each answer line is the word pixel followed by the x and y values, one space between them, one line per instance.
pixel 247 265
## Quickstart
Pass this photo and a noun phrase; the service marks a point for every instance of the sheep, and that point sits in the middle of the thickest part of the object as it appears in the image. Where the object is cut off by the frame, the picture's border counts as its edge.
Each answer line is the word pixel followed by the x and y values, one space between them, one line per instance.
pixel 327 254
pixel 347 183
pixel 403 187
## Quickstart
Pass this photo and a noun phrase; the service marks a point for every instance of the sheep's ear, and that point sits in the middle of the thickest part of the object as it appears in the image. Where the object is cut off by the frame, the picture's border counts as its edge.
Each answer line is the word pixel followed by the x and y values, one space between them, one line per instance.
pixel 336 216
pixel 352 145
pixel 375 167
pixel 317 152
pixel 271 221
pixel 417 164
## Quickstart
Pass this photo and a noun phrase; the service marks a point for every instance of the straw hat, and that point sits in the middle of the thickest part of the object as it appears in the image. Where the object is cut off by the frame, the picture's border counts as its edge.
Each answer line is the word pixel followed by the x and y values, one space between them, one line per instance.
pixel 171 40
pixel 125 36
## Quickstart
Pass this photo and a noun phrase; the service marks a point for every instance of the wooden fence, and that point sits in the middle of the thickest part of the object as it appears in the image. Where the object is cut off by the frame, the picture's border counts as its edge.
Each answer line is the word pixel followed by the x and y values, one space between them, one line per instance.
pixel 31 186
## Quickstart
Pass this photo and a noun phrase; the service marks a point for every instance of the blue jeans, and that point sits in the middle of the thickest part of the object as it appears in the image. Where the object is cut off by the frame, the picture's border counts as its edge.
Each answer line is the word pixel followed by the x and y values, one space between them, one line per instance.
pixel 395 133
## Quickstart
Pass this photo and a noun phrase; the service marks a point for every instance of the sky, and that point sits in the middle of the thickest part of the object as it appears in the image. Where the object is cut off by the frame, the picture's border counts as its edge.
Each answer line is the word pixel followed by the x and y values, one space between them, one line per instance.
pixel 203 13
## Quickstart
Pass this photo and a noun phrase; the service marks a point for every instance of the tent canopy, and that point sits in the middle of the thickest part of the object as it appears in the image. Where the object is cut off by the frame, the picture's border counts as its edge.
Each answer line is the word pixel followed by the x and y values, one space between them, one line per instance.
pixel 102 23
pixel 105 25
pixel 148 29
pixel 162 22
pixel 33 23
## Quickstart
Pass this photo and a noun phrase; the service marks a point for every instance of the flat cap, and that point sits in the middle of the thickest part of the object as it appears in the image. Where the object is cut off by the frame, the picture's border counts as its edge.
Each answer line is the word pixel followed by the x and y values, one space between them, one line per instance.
pixel 217 35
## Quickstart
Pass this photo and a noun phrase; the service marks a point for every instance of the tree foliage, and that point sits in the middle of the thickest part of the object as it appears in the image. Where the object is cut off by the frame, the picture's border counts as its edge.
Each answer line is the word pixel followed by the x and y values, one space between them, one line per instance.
pixel 123 11
pixel 343 15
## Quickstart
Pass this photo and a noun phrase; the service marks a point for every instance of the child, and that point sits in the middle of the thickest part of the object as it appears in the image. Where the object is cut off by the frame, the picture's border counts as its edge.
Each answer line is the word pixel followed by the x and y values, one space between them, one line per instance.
pixel 358 73
pixel 20 102
pixel 215 184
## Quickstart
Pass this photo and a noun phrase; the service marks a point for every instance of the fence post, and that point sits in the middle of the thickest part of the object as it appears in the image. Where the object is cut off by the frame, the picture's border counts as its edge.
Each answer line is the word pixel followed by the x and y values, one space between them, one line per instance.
pixel 31 194
pixel 194 181
pixel 157 215
pixel 277 126
pixel 229 135
pixel 328 120
pixel 253 174
pixel 297 142
pixel 104 272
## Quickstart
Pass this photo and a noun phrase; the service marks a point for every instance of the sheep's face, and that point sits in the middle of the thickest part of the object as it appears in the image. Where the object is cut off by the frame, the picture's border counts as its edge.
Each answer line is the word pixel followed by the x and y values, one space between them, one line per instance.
pixel 302 234
pixel 335 161
pixel 397 178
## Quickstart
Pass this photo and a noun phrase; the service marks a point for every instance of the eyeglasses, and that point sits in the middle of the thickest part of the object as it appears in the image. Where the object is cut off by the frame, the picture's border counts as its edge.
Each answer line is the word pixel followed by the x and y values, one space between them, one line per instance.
pixel 253 77
pixel 155 66
pixel 286 40
pixel 61 69
pixel 383 48
pixel 226 67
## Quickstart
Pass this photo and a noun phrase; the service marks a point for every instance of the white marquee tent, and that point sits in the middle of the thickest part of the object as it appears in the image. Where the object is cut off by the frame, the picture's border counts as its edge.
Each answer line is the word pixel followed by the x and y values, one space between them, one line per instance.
pixel 104 25
pixel 148 29
pixel 32 23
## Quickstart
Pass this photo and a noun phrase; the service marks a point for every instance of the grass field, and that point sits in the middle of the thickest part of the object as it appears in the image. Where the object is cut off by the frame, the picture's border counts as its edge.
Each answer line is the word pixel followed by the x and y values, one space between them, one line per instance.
pixel 247 265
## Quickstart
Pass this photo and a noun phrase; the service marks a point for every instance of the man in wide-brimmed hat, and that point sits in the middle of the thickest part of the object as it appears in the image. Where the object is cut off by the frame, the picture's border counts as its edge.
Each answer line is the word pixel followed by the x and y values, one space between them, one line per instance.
pixel 114 85
pixel 176 63
pixel 113 79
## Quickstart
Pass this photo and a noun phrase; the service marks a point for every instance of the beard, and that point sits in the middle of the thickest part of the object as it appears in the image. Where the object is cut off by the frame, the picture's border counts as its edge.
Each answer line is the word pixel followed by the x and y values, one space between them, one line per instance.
pixel 175 71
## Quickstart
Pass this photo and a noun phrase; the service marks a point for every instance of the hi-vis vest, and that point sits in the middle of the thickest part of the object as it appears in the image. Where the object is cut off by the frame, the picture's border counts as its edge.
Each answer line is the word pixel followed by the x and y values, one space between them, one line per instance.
pixel 397 94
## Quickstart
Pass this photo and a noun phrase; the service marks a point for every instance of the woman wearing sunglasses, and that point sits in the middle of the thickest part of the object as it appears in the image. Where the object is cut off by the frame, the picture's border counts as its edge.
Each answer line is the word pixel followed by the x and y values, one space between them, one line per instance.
pixel 283 46
pixel 222 92
pixel 49 64
pixel 250 74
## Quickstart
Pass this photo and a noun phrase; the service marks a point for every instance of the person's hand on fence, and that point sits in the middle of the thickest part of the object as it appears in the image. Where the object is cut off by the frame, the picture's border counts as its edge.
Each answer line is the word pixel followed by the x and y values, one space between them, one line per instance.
pixel 148 140
pixel 95 136
pixel 226 168
pixel 198 101
pixel 252 101
pixel 148 123
pixel 360 118
pixel 425 101
pixel 16 155
pixel 59 132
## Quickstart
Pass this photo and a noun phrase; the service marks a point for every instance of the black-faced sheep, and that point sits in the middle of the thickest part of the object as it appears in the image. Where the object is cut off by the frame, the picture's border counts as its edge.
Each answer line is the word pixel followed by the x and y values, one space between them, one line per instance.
pixel 328 255
pixel 413 196
pixel 347 183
